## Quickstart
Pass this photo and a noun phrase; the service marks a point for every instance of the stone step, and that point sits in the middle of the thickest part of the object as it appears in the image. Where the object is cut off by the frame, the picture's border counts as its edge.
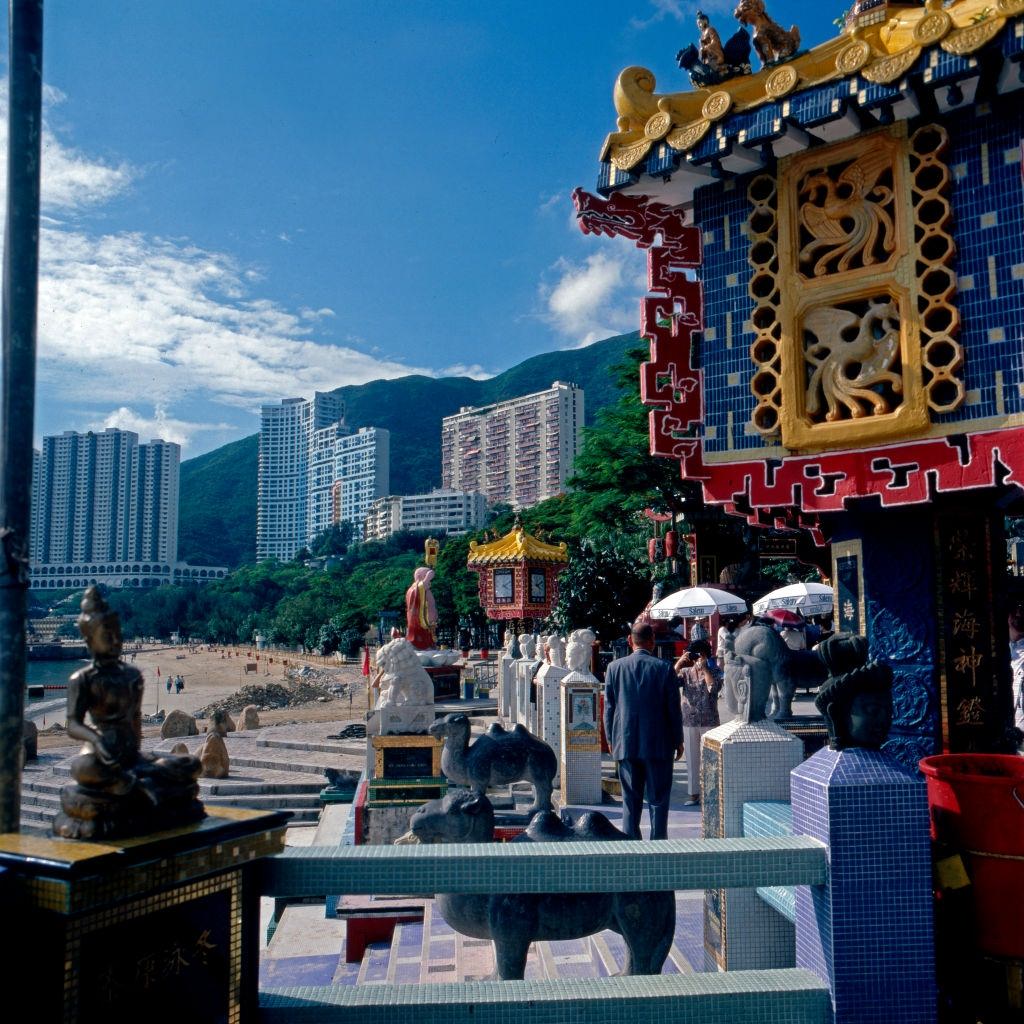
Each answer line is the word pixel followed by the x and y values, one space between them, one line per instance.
pixel 374 968
pixel 265 801
pixel 353 748
pixel 406 953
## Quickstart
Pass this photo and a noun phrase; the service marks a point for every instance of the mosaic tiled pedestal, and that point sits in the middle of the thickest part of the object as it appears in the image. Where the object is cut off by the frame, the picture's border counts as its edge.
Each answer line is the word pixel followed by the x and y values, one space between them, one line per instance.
pixel 156 928
pixel 506 688
pixel 580 741
pixel 526 694
pixel 405 772
pixel 743 761
pixel 869 931
pixel 549 707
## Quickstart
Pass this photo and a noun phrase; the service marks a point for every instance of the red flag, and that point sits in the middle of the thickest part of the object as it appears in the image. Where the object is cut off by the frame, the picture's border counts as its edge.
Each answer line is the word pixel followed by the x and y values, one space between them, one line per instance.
pixel 158 671
pixel 366 661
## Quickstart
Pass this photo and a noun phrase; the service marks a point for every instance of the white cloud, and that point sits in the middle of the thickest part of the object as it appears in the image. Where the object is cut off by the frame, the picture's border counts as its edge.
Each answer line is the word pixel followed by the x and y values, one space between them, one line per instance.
pixel 474 370
pixel 681 11
pixel 662 9
pixel 70 180
pixel 597 298
pixel 159 425
pixel 133 317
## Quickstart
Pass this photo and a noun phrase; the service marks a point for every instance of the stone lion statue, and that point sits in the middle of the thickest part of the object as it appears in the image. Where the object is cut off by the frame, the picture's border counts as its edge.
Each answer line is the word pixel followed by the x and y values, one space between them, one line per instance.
pixel 403 679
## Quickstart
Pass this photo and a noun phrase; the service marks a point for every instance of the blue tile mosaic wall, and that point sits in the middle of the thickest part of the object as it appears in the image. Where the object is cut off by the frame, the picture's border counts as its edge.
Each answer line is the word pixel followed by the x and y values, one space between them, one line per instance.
pixel 901 616
pixel 722 211
pixel 987 199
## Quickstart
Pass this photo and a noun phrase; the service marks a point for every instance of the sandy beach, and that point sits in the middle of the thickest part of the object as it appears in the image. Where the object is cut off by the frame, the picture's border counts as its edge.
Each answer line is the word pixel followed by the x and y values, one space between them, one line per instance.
pixel 212 673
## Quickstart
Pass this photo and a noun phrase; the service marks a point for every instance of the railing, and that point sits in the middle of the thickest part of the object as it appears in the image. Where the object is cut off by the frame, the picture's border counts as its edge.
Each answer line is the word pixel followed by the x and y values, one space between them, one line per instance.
pixel 792 994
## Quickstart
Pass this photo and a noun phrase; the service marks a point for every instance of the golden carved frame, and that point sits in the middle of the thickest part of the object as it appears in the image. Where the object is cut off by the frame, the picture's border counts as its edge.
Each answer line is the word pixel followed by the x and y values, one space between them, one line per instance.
pixel 800 294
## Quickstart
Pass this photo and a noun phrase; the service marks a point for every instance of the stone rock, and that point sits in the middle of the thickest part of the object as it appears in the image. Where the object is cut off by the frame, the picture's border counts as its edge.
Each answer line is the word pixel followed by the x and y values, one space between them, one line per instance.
pixel 214 757
pixel 178 723
pixel 179 748
pixel 250 718
pixel 30 739
pixel 229 723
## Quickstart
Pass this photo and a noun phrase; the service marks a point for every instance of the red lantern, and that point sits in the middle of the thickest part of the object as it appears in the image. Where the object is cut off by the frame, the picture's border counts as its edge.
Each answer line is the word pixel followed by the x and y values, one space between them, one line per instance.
pixel 655 549
pixel 671 539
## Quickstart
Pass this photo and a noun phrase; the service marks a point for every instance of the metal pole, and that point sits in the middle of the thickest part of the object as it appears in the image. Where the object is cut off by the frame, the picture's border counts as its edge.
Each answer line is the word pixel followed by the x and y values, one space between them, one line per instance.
pixel 17 392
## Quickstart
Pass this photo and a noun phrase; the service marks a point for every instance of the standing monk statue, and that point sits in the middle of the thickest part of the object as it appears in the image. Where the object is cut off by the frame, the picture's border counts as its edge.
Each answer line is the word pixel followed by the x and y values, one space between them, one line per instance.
pixel 420 610
pixel 118 789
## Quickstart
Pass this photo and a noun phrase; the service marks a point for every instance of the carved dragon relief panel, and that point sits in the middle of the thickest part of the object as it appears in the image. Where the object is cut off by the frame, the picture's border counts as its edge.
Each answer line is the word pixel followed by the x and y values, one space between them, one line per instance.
pixel 854 322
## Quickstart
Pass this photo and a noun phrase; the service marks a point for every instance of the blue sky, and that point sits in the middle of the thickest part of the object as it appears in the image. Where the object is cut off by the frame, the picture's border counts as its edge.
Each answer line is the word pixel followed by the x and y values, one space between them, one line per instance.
pixel 245 201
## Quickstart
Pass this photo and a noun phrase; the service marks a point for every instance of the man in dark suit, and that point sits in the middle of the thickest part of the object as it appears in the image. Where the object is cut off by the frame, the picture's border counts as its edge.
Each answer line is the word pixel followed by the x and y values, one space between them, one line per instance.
pixel 644 725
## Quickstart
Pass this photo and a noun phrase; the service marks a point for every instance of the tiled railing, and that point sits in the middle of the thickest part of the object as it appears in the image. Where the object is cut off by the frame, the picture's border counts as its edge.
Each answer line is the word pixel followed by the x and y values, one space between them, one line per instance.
pixel 790 996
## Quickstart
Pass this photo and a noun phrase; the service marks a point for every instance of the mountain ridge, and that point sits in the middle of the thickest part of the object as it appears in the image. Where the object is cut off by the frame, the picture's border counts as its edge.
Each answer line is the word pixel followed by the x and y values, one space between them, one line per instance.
pixel 217 510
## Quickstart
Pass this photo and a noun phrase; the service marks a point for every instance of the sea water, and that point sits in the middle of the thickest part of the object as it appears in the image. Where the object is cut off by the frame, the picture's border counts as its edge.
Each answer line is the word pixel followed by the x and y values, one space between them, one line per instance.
pixel 52 673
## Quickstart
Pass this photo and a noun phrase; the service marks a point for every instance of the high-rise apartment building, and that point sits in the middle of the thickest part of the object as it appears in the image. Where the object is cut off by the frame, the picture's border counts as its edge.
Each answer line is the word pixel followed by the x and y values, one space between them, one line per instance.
pixel 440 512
pixel 313 472
pixel 520 451
pixel 103 497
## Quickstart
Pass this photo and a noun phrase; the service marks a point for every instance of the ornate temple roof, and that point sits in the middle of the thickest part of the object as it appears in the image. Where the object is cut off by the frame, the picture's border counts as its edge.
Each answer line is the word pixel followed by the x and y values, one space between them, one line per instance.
pixel 868 67
pixel 517 546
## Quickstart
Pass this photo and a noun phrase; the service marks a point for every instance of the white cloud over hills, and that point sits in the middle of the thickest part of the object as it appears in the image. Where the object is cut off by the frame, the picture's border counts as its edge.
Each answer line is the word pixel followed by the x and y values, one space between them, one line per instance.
pixel 597 298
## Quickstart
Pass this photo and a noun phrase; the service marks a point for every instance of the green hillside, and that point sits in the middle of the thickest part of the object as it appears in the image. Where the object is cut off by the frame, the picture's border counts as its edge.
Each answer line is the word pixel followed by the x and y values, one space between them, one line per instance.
pixel 217 506
pixel 217 519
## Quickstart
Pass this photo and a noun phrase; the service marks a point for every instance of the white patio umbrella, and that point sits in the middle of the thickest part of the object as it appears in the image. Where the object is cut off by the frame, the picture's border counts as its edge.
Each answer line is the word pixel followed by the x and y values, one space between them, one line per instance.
pixel 807 598
pixel 698 602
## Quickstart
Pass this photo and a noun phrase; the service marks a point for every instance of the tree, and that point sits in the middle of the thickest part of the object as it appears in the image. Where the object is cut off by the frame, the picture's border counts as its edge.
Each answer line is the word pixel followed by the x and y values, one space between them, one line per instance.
pixel 615 476
pixel 601 589
pixel 333 541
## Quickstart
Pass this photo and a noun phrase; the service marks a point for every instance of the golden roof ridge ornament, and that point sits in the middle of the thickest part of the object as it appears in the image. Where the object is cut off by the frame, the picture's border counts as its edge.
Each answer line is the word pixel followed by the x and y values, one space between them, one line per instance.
pixel 517 545
pixel 880 42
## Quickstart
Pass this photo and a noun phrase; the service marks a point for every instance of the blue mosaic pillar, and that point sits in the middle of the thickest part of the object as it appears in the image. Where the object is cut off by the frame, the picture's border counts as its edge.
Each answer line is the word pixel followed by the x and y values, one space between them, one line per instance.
pixel 884 568
pixel 868 932
pixel 926 586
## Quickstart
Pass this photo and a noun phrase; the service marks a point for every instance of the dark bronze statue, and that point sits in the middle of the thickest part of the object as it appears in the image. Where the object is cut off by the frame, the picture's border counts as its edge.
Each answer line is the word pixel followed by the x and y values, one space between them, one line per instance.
pixel 856 698
pixel 118 790
pixel 712 62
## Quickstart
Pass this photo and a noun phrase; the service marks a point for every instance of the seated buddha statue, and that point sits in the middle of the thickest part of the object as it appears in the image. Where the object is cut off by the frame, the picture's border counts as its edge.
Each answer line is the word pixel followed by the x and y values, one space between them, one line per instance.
pixel 118 790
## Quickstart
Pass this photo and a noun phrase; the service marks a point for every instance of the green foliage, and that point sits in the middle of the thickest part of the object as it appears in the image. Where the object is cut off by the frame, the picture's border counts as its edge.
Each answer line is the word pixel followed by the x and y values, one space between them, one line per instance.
pixel 616 477
pixel 217 507
pixel 333 541
pixel 602 589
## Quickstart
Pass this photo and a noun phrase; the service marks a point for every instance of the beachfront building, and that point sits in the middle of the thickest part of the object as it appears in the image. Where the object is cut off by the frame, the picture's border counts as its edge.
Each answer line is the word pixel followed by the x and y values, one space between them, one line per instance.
pixel 439 512
pixel 520 451
pixel 285 450
pixel 105 510
pixel 314 472
pixel 103 497
pixel 358 468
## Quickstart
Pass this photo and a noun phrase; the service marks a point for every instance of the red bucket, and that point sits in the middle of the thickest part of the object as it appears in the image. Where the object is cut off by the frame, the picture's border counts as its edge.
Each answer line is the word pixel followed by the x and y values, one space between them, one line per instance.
pixel 977 807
